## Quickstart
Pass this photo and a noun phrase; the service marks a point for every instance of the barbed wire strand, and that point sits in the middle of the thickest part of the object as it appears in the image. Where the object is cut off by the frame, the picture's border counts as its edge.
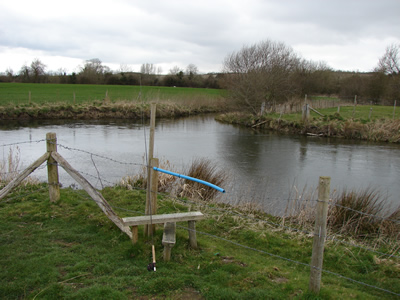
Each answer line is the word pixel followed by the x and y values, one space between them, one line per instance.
pixel 365 214
pixel 289 260
pixel 257 250
pixel 309 233
pixel 98 155
pixel 26 142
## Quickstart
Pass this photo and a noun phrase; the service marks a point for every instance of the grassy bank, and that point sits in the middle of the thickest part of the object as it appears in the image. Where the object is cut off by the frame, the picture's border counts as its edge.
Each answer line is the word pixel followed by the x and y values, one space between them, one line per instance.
pixel 361 123
pixel 56 101
pixel 71 250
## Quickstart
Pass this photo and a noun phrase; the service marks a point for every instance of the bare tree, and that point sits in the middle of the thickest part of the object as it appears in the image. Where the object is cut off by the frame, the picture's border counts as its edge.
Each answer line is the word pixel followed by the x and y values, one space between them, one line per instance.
pixel 389 63
pixel 148 69
pixel 92 71
pixel 191 71
pixel 261 73
pixel 37 69
pixel 25 73
pixel 175 70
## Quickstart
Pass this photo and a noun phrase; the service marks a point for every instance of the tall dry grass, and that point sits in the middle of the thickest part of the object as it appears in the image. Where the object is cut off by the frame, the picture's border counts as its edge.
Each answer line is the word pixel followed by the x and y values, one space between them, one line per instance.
pixel 200 168
pixel 364 213
pixel 10 166
pixel 203 169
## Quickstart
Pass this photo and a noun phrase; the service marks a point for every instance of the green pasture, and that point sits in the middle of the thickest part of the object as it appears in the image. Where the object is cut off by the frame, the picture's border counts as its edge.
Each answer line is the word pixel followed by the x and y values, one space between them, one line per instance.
pixel 18 93
pixel 363 113
pixel 70 250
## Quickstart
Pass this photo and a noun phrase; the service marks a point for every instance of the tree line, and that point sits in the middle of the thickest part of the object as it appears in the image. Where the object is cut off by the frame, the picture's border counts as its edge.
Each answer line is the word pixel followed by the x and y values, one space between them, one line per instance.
pixel 261 73
pixel 271 72
pixel 94 71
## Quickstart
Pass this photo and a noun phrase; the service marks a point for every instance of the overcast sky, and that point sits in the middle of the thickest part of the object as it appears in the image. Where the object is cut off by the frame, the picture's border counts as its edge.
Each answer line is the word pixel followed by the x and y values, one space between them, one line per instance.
pixel 347 34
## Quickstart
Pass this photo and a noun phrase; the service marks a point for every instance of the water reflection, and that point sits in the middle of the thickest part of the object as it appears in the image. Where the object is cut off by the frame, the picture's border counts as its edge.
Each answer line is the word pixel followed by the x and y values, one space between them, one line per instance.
pixel 263 165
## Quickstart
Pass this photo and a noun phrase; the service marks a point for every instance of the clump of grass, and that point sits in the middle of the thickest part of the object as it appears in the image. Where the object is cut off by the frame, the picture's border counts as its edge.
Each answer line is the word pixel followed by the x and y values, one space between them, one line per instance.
pixel 359 212
pixel 362 214
pixel 166 182
pixel 200 168
pixel 203 169
pixel 9 168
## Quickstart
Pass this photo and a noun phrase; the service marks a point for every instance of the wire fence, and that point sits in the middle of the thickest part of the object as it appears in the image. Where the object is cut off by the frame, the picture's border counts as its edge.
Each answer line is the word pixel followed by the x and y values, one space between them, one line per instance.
pixel 218 209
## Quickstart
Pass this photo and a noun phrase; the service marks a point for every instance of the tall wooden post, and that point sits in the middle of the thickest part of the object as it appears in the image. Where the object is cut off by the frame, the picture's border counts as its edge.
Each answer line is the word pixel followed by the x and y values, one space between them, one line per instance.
pixel 355 104
pixel 319 234
pixel 149 208
pixel 52 168
pixel 394 109
pixel 306 113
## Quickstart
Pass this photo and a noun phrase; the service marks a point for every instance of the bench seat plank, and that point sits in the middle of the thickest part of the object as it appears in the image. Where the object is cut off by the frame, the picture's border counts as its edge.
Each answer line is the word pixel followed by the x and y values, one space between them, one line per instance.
pixel 160 219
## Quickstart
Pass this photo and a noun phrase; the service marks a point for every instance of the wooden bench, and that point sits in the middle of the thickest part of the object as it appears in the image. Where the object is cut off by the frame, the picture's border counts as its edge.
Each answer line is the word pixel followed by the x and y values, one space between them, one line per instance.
pixel 169 230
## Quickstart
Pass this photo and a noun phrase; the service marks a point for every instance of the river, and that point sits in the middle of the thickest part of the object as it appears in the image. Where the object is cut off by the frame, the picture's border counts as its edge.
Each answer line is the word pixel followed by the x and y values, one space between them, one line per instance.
pixel 264 167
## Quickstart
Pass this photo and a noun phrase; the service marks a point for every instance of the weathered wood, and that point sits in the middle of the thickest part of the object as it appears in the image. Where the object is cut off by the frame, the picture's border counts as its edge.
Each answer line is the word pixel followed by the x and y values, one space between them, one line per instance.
pixel 93 193
pixel 169 239
pixel 164 218
pixel 319 234
pixel 52 168
pixel 17 180
pixel 258 124
pixel 148 208
pixel 192 234
pixel 135 234
pixel 151 207
pixel 316 111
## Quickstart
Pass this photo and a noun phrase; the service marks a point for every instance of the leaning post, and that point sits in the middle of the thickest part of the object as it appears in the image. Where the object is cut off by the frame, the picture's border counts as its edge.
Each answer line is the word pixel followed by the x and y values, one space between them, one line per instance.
pixel 319 234
pixel 52 168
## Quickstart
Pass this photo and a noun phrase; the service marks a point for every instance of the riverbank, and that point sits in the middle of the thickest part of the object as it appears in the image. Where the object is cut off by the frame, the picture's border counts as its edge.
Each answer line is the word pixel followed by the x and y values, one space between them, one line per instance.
pixel 70 249
pixel 96 110
pixel 362 126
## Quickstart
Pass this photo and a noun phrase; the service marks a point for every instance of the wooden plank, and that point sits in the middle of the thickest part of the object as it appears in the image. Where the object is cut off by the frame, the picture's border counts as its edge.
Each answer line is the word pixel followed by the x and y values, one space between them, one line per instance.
pixel 17 180
pixel 160 219
pixel 93 193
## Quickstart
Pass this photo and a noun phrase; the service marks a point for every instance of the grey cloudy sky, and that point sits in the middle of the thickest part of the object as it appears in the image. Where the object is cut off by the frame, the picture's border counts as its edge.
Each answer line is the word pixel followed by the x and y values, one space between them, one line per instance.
pixel 346 34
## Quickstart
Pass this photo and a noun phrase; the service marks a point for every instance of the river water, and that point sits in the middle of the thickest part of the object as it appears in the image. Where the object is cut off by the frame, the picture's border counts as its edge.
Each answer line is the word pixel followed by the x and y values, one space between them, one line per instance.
pixel 264 167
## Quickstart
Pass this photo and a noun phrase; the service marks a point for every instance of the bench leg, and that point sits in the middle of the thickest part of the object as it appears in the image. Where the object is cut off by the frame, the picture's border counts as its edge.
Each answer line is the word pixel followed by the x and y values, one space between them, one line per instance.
pixel 192 234
pixel 167 252
pixel 135 236
pixel 169 239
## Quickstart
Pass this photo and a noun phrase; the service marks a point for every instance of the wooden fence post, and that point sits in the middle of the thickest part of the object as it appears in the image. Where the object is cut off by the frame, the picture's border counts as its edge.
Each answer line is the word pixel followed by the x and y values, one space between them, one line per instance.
pixel 306 113
pixel 355 104
pixel 394 109
pixel 319 234
pixel 52 168
pixel 148 208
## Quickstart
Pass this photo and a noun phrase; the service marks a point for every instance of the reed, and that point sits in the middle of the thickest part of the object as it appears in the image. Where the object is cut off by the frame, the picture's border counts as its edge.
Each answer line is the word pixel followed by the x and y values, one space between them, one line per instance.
pixel 203 169
pixel 359 212
pixel 10 166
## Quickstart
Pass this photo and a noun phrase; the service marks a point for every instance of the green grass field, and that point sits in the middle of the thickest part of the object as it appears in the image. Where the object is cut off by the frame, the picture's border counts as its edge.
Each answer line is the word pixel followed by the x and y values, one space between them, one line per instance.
pixel 70 250
pixel 363 113
pixel 18 93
